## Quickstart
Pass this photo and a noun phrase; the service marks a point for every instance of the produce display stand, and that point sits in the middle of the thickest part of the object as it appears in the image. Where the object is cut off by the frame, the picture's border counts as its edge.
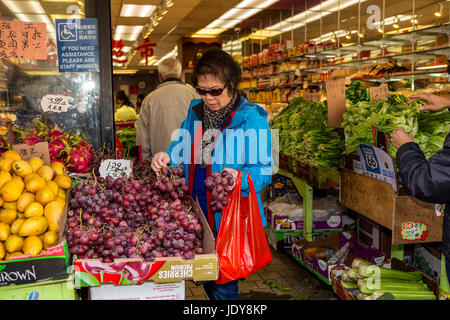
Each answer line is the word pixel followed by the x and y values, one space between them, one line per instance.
pixel 304 179
pixel 410 220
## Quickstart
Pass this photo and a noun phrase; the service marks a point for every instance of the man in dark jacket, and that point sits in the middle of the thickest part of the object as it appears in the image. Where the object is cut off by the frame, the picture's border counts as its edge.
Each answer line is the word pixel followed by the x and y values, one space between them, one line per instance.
pixel 428 180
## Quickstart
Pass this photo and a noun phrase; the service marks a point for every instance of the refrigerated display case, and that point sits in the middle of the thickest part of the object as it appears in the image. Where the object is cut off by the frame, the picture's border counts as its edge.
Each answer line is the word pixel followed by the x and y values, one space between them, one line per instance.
pixel 24 82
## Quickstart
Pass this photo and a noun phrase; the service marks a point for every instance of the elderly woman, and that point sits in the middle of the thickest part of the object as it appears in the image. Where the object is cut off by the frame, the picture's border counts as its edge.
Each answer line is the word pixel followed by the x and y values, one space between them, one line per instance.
pixel 222 131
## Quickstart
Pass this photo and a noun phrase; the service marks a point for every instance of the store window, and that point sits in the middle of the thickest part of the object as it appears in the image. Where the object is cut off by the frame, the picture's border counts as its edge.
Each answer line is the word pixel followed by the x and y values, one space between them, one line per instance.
pixel 55 64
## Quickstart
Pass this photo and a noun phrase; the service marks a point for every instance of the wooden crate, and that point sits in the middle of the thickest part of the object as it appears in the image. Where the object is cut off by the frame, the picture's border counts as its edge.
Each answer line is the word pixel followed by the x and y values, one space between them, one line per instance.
pixel 377 201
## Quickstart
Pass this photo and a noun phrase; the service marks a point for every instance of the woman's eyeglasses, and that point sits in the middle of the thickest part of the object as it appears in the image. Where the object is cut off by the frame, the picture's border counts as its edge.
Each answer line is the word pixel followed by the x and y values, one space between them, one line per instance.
pixel 212 92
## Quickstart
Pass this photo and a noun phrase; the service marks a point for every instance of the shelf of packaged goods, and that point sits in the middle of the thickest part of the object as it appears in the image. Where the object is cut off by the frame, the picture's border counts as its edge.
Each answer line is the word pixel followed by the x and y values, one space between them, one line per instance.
pixel 417 56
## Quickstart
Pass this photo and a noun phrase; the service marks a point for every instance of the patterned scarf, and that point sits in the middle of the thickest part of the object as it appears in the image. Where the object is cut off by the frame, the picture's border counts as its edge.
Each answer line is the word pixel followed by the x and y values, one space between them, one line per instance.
pixel 213 120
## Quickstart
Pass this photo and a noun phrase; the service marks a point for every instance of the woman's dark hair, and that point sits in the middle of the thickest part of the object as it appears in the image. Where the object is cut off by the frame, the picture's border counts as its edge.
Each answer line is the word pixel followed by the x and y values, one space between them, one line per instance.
pixel 122 96
pixel 219 64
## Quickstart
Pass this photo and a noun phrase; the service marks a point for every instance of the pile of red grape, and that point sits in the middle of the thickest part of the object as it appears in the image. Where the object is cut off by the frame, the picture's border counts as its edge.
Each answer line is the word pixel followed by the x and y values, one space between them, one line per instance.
pixel 219 185
pixel 133 218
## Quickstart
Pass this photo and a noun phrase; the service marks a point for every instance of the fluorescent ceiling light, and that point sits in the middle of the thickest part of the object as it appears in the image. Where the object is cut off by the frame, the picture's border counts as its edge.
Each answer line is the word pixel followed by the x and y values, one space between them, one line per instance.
pixel 126 71
pixel 313 14
pixel 255 4
pixel 237 13
pixel 432 67
pixel 210 31
pixel 134 10
pixel 37 18
pixel 24 6
pixel 226 24
pixel 127 33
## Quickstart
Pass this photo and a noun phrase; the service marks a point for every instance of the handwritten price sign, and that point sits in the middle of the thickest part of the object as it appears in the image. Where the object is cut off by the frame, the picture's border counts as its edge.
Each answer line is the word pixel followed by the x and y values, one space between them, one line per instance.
pixel 55 103
pixel 312 96
pixel 336 101
pixel 39 150
pixel 380 92
pixel 115 168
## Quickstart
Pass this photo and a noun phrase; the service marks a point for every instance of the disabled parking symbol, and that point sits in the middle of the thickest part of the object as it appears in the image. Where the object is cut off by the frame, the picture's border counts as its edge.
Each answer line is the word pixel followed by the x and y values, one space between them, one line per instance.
pixel 67 32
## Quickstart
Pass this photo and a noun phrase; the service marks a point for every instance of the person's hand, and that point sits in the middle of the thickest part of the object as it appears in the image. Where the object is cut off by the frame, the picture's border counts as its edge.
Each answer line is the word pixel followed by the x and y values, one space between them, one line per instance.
pixel 159 161
pixel 435 103
pixel 234 173
pixel 400 137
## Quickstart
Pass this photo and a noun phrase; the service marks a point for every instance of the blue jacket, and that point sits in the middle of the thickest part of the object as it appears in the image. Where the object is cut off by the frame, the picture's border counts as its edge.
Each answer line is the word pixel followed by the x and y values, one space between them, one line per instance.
pixel 245 145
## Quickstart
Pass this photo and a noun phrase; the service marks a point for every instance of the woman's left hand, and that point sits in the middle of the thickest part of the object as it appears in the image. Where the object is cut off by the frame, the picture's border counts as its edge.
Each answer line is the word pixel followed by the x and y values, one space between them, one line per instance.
pixel 400 137
pixel 234 173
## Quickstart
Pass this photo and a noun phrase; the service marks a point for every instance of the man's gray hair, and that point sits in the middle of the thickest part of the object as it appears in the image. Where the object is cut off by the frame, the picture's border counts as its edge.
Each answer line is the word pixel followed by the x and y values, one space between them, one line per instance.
pixel 169 67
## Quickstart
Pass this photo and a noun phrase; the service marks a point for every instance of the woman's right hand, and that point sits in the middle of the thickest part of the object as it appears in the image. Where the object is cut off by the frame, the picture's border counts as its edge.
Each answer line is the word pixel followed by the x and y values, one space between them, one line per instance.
pixel 435 103
pixel 159 161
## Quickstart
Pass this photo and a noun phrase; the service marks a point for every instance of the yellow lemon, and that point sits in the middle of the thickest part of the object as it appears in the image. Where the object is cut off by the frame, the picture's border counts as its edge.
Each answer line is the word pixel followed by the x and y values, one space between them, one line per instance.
pixel 46 172
pixel 34 209
pixel 10 205
pixel 52 185
pixel 6 164
pixel 35 163
pixel 22 168
pixel 8 215
pixel 11 154
pixel 32 245
pixel 5 231
pixel 24 200
pixel 5 176
pixel 35 184
pixel 2 251
pixel 14 243
pixel 58 167
pixel 45 195
pixel 12 190
pixel 15 226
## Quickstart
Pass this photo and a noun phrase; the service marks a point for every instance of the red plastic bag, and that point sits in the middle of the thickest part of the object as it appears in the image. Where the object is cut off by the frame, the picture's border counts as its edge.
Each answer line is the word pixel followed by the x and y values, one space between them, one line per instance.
pixel 241 243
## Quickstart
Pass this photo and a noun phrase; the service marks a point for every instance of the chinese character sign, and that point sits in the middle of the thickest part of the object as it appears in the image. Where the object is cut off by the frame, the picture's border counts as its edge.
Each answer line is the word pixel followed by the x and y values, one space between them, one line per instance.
pixel 23 40
pixel 117 51
pixel 146 49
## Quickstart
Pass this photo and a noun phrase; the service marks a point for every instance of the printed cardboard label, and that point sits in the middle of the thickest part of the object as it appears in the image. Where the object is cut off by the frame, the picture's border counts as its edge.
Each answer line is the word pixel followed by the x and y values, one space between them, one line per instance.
pixel 312 96
pixel 413 231
pixel 115 168
pixel 39 150
pixel 381 92
pixel 336 101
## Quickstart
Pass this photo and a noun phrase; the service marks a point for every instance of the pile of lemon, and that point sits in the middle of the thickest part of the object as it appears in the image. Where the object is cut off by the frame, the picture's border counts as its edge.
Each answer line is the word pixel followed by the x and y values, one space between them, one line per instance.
pixel 32 201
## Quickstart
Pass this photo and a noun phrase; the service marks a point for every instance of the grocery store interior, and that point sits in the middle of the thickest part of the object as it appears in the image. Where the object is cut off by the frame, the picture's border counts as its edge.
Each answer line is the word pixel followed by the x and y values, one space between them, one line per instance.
pixel 335 78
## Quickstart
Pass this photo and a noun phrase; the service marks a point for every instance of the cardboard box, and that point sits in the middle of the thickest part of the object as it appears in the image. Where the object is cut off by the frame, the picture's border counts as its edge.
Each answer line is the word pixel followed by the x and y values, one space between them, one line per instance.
pixel 204 267
pixel 428 260
pixel 284 223
pixel 281 240
pixel 395 264
pixel 144 291
pixel 334 241
pixel 47 290
pixel 52 265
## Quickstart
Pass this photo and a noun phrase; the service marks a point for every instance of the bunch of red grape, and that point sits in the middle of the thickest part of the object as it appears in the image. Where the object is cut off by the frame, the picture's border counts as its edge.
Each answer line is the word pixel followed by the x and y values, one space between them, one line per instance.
pixel 131 218
pixel 219 185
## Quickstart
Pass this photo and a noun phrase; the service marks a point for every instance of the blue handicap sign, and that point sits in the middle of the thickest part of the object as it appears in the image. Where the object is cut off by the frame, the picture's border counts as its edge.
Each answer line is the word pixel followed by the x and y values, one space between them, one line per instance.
pixel 77 42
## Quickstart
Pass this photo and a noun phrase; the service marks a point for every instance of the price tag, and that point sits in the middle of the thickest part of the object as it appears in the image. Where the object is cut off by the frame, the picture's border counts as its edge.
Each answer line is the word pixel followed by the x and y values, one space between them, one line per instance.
pixel 39 150
pixel 336 101
pixel 312 96
pixel 380 92
pixel 115 168
pixel 55 103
